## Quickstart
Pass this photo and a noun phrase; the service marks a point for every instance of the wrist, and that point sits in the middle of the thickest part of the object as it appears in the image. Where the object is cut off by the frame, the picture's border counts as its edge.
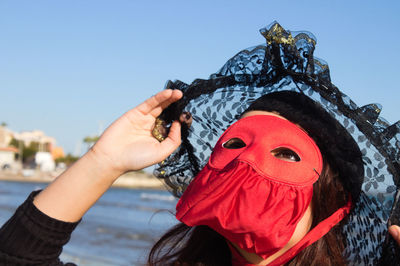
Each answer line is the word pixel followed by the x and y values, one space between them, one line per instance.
pixel 72 193
pixel 105 166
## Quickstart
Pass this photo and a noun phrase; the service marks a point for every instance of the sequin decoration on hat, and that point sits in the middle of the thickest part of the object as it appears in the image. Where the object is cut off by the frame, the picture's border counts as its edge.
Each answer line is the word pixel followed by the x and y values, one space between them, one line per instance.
pixel 286 63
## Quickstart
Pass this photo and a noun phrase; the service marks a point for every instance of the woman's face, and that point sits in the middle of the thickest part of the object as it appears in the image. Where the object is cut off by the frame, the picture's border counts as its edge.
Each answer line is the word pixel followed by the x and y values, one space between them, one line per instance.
pixel 260 176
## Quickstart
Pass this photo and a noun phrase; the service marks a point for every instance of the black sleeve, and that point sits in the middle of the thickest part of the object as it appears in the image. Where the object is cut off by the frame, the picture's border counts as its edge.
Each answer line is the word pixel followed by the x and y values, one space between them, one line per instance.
pixel 30 237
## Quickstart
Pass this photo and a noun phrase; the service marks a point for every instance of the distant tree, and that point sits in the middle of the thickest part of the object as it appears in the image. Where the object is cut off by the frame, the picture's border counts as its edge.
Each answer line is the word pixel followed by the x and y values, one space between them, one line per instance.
pixel 34 145
pixel 27 152
pixel 30 151
pixel 14 143
pixel 3 124
pixel 90 141
pixel 68 159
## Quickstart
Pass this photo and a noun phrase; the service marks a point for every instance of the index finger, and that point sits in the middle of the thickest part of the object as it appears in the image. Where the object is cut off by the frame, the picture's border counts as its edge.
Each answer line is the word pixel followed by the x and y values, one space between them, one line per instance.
pixel 158 102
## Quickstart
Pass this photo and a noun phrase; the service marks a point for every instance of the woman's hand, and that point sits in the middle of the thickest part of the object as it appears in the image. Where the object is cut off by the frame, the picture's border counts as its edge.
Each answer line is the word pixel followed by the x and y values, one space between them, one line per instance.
pixel 394 230
pixel 128 143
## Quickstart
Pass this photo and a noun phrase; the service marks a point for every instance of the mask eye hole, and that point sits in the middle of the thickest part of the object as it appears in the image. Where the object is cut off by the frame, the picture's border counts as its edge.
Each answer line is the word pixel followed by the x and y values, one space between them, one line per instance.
pixel 285 154
pixel 234 143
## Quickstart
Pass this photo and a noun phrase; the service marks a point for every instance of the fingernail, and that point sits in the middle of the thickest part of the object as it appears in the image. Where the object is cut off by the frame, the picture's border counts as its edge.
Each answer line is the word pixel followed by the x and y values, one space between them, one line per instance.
pixel 393 232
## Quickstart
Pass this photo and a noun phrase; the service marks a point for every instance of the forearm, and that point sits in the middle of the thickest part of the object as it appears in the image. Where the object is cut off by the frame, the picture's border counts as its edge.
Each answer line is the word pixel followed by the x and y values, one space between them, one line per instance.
pixel 73 193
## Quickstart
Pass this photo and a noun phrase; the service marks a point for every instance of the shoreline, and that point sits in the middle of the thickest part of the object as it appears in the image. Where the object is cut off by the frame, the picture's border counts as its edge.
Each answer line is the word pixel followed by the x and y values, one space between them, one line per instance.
pixel 131 180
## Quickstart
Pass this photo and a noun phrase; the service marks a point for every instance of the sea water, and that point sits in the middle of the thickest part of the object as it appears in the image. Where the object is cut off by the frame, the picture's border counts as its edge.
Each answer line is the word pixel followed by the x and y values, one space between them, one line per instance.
pixel 118 230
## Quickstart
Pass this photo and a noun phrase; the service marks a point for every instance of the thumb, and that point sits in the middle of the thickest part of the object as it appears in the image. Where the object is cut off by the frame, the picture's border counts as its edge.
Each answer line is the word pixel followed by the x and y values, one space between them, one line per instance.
pixel 172 142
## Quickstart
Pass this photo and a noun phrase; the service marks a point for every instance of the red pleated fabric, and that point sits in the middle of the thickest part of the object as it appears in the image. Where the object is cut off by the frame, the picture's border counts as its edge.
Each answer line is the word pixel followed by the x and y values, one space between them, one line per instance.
pixel 257 214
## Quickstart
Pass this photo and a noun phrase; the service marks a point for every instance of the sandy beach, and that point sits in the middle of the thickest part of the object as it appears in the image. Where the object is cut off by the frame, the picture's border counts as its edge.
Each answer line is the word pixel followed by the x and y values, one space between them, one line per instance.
pixel 128 180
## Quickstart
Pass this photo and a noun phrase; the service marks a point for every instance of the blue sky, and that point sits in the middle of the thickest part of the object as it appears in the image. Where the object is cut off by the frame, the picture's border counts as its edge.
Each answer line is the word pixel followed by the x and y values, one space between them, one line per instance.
pixel 70 68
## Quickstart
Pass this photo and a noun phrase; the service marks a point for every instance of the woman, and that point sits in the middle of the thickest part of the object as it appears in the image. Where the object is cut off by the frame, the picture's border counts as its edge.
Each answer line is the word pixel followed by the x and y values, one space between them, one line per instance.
pixel 286 63
pixel 42 225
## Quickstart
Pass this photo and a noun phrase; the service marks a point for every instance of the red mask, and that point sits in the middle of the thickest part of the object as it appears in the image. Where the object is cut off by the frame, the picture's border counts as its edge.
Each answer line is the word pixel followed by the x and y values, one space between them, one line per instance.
pixel 257 184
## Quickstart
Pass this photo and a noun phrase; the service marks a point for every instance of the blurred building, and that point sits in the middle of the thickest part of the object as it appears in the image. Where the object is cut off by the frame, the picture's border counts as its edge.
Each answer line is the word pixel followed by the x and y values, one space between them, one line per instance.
pixel 7 154
pixel 6 136
pixel 45 143
pixel 47 151
pixel 57 152
pixel 7 158
pixel 45 162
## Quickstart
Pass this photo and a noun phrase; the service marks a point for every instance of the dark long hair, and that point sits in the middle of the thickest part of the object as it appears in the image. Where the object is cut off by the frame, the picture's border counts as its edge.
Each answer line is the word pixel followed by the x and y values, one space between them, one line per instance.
pixel 200 245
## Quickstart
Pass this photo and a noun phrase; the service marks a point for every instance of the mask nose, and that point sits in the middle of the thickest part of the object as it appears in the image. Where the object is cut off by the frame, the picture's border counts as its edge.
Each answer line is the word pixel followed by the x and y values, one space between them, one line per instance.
pixel 226 151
